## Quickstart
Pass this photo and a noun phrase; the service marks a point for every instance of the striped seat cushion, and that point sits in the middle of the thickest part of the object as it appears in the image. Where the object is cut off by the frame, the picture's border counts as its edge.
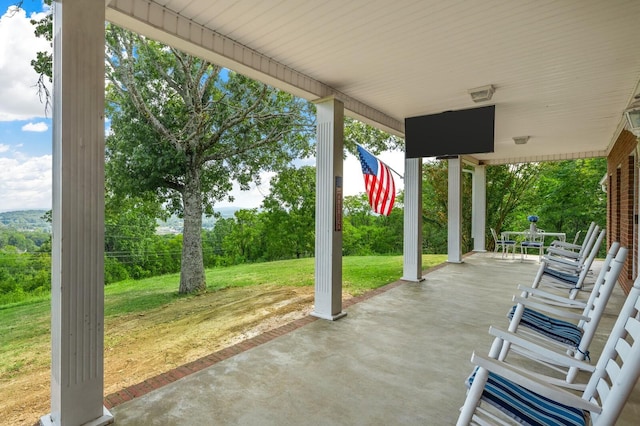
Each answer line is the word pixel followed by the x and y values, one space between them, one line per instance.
pixel 531 244
pixel 562 276
pixel 558 330
pixel 526 407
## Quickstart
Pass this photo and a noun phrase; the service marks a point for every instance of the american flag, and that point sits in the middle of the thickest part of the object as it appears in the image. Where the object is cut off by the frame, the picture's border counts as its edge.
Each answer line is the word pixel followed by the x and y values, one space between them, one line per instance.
pixel 378 182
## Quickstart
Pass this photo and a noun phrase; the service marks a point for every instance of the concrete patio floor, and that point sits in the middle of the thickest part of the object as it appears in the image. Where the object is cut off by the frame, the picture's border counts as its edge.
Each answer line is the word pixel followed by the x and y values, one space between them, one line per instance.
pixel 400 357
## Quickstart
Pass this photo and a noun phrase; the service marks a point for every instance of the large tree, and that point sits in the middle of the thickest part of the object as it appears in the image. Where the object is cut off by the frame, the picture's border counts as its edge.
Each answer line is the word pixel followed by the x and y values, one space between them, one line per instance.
pixel 184 129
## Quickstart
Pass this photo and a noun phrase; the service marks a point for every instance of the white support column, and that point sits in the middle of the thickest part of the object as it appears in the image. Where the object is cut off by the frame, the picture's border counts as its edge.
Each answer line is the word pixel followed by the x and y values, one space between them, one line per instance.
pixel 479 208
pixel 328 286
pixel 77 284
pixel 412 249
pixel 454 241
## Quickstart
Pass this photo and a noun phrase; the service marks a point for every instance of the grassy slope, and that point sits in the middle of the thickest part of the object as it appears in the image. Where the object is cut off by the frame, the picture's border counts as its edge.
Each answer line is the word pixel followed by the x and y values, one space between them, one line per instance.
pixel 25 327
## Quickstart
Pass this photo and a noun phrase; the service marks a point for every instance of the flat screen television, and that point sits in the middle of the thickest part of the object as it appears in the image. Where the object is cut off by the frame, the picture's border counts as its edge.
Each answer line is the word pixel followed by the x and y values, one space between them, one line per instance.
pixel 467 131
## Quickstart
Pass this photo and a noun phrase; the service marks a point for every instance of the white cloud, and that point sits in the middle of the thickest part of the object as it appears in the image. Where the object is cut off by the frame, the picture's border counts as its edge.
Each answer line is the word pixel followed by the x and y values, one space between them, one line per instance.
pixel 18 46
pixel 35 127
pixel 25 184
pixel 251 198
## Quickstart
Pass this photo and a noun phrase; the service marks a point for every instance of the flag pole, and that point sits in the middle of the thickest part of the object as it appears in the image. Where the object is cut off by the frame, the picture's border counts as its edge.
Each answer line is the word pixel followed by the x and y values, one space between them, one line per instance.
pixel 399 175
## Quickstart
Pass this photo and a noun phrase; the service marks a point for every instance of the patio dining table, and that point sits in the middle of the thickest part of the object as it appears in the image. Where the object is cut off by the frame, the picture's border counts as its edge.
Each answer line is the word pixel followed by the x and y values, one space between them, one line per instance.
pixel 562 236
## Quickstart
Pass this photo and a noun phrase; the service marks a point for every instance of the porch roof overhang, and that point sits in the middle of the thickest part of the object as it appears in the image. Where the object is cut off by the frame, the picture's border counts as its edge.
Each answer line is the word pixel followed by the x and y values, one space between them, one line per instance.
pixel 563 71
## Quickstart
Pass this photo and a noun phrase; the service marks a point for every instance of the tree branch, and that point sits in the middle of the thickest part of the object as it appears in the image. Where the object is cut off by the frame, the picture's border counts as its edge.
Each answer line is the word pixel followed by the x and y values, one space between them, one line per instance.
pixel 129 82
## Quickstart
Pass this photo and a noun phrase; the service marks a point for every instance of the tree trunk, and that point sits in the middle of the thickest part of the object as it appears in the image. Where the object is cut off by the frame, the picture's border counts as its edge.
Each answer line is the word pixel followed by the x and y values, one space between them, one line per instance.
pixel 192 277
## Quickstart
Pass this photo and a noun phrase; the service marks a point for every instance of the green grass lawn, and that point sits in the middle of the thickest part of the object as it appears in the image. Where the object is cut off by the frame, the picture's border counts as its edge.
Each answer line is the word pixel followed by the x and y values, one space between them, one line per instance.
pixel 25 326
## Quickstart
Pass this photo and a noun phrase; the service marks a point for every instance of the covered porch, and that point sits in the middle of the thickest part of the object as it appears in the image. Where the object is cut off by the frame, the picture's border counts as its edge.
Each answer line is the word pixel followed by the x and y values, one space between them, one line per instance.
pixel 399 357
pixel 563 74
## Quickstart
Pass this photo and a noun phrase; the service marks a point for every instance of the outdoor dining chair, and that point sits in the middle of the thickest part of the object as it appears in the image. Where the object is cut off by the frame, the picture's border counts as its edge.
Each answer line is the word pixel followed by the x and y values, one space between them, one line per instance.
pixel 533 240
pixel 502 244
pixel 500 393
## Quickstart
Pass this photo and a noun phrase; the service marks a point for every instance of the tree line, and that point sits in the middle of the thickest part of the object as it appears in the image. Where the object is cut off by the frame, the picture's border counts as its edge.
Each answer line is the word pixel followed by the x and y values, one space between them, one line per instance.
pixel 565 195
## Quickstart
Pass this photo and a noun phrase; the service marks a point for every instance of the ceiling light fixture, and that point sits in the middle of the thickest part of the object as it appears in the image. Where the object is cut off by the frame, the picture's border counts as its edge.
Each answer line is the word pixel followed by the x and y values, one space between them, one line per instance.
pixel 521 140
pixel 482 94
pixel 632 114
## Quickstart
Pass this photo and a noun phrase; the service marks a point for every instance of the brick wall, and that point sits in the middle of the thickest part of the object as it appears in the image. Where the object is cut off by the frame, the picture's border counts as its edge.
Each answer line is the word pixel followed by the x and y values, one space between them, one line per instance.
pixel 621 202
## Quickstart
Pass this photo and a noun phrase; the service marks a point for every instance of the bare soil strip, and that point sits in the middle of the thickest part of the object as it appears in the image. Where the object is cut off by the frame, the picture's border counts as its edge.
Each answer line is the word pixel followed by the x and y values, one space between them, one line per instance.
pixel 141 346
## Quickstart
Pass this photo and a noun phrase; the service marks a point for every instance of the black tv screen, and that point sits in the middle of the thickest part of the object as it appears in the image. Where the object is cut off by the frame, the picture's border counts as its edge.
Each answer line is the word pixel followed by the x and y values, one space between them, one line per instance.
pixel 468 131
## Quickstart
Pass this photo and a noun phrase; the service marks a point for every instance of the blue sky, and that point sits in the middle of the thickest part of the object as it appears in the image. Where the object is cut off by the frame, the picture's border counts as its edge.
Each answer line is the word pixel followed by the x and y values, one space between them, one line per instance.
pixel 25 128
pixel 25 131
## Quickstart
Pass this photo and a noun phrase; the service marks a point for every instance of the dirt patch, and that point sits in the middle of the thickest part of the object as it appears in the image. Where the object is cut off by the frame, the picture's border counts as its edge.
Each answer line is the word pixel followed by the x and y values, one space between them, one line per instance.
pixel 141 346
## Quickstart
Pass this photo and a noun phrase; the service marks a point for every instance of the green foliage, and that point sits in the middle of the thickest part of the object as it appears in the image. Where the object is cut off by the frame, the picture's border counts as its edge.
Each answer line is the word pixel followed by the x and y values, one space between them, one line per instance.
pixel 184 129
pixel 23 275
pixel 290 214
pixel 24 256
pixel 43 62
pixel 510 189
pixel 25 220
pixel 435 207
pixel 568 195
pixel 213 241
pixel 211 120
pixel 565 195
pixel 374 140
pixel 244 242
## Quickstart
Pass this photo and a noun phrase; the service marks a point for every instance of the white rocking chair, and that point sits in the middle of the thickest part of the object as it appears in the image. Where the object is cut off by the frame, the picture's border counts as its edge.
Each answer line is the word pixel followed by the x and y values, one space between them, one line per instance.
pixel 516 396
pixel 542 317
pixel 567 274
pixel 575 247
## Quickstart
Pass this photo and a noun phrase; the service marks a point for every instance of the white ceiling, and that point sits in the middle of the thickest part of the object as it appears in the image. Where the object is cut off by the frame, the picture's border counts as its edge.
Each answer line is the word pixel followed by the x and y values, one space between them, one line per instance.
pixel 564 70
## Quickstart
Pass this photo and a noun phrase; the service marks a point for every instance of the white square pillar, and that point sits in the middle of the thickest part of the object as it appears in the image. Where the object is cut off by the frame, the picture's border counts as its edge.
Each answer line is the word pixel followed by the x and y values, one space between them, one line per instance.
pixel 329 187
pixel 454 240
pixel 77 284
pixel 479 208
pixel 412 248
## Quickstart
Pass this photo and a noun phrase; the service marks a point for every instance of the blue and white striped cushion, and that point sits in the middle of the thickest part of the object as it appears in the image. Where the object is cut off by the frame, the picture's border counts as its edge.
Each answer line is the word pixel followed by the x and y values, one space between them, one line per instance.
pixel 562 276
pixel 558 330
pixel 526 407
pixel 531 244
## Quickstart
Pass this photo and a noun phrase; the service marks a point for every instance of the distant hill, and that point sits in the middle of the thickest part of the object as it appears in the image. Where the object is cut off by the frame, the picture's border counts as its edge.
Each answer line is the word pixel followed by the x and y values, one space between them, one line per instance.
pixel 32 220
pixel 174 224
pixel 25 220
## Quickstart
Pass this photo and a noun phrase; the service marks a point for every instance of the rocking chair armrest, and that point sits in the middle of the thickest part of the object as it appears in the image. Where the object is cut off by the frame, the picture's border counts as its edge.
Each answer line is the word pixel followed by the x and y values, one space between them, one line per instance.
pixel 550 309
pixel 551 298
pixel 559 260
pixel 557 251
pixel 558 358
pixel 534 384
pixel 561 263
pixel 565 245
